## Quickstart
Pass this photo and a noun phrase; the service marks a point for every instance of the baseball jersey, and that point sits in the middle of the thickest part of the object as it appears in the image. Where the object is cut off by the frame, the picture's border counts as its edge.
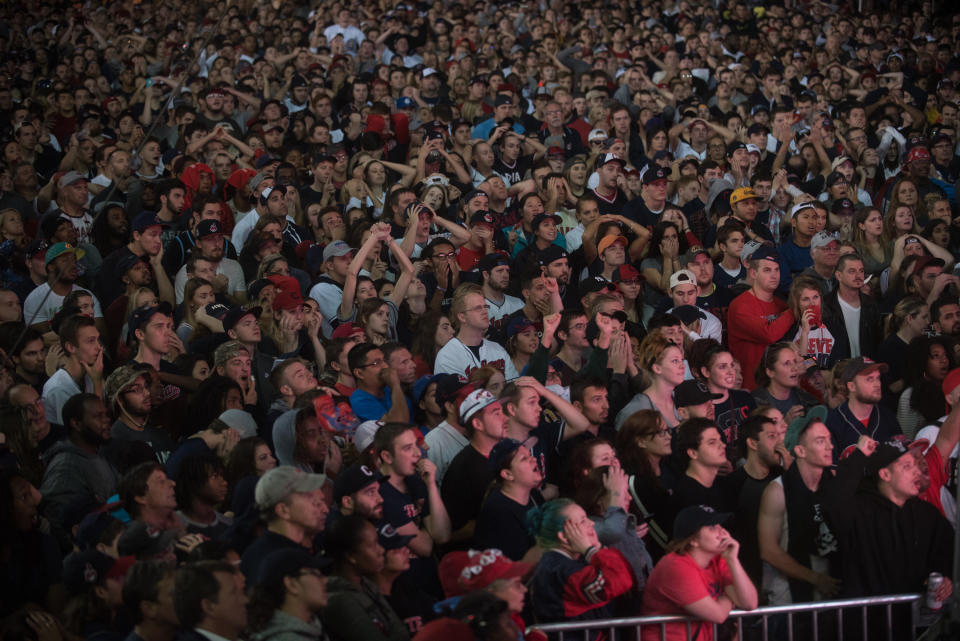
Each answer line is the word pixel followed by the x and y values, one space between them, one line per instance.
pixel 456 358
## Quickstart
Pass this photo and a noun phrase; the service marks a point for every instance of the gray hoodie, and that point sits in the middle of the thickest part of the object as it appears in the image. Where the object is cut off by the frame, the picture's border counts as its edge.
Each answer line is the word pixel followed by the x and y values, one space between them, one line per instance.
pixel 75 477
pixel 284 627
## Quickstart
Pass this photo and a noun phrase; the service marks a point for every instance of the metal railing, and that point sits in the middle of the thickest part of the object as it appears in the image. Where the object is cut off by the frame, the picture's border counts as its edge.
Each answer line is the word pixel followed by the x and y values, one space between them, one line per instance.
pixel 759 616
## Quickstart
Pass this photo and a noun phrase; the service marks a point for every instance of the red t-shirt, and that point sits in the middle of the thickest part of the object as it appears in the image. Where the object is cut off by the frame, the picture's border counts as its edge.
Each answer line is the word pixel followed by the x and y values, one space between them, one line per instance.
pixel 468 258
pixel 677 581
pixel 752 325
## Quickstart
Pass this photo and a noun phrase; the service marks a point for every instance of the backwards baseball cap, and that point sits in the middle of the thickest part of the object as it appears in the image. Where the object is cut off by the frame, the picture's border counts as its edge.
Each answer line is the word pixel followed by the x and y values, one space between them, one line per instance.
pixel 692 392
pixel 145 541
pixel 886 454
pixel 860 365
pixel 280 482
pixel 593 284
pixel 693 517
pixel 799 425
pixel 87 569
pixel 734 146
pixel 551 253
pixel 234 314
pixel 682 277
pixel 390 539
pixel 462 572
pixel 353 479
pixel 625 272
pixel 476 401
pixel 742 193
pixel 57 249
pixel 347 330
pixel 799 207
pixel 142 315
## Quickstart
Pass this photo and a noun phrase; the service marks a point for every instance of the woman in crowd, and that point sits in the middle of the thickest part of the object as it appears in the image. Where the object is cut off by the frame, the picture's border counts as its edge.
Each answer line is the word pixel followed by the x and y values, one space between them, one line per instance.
pixel 644 448
pixel 871 240
pixel 909 320
pixel 489 378
pixel 523 339
pixel 249 460
pixel 434 332
pixel 565 584
pixel 356 610
pixel 664 362
pixel 778 379
pixel 900 221
pixel 810 336
pixel 701 577
pixel 928 360
pixel 197 294
pixel 718 369
pixel 663 259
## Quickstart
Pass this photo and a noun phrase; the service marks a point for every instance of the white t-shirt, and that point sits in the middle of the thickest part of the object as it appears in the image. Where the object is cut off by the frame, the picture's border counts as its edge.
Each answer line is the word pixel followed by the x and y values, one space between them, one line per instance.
pixel 819 344
pixel 37 309
pixel 851 320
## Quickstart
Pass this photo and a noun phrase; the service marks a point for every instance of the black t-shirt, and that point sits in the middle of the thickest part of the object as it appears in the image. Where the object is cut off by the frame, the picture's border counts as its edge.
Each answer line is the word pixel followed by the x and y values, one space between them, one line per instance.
pixel 730 415
pixel 743 495
pixel 637 210
pixel 688 491
pixel 513 173
pixel 401 508
pixel 502 524
pixel 464 485
pixel 616 206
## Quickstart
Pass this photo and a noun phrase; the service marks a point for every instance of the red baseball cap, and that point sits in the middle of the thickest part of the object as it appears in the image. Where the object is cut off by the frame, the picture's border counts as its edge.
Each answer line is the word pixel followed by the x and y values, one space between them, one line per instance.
pixel 462 572
pixel 917 153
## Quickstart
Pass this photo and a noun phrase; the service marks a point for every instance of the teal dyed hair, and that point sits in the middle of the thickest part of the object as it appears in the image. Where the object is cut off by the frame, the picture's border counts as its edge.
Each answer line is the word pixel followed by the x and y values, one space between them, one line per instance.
pixel 546 521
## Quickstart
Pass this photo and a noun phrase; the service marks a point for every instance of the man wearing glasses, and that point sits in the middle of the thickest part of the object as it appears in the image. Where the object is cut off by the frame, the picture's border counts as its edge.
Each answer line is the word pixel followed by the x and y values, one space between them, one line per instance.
pixel 379 394
pixel 127 393
pixel 469 350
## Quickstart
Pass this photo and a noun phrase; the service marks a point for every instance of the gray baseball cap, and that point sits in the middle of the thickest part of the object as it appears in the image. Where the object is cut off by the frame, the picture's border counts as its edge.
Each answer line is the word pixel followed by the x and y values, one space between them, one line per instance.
pixel 280 482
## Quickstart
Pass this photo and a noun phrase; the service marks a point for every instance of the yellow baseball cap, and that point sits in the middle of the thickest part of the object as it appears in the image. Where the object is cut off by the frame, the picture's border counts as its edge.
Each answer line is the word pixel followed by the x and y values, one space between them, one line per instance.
pixel 743 193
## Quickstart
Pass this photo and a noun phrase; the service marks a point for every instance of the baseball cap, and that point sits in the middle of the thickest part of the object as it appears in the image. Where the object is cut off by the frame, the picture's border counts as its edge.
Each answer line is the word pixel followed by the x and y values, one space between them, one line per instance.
pixel 917 153
pixel 556 152
pixel 234 314
pixel 502 99
pixel 62 248
pixel 363 436
pixel 34 247
pixel 764 252
pixel 336 248
pixel 69 178
pixel 405 102
pixel 126 263
pixel 390 539
pixel 822 239
pixel 216 310
pixel 540 218
pixel 741 194
pixel 421 384
pixel 692 253
pixel 593 284
pixel 693 517
pixel 144 220
pixel 950 381
pixel 519 325
pixel 287 561
pixel 858 366
pixel 551 253
pixel 92 527
pixel 461 572
pixel 609 240
pixel 734 146
pixel 144 541
pixel 502 452
pixel 209 228
pixel 692 392
pixel 625 272
pixel 796 209
pixel 682 276
pixel 280 482
pixel 353 479
pixel 753 149
pixel 885 454
pixel 287 299
pixel 688 314
pixel 653 174
pixel 257 286
pixel 483 217
pixel 596 135
pixel 142 315
pixel 609 158
pixel 474 193
pixel 241 421
pixel 346 330
pixel 84 570
pixel 839 160
pixel 475 402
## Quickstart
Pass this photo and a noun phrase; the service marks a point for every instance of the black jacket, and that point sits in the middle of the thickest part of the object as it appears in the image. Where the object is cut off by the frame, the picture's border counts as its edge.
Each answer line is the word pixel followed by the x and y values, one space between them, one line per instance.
pixel 871 327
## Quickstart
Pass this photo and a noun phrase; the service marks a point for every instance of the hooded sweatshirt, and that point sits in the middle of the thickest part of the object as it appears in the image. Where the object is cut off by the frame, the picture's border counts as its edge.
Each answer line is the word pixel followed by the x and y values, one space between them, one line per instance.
pixel 75 478
pixel 285 439
pixel 285 627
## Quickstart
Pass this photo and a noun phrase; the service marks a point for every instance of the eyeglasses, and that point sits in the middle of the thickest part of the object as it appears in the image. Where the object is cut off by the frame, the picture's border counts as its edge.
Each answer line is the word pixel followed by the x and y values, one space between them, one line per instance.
pixel 478 308
pixel 445 256
pixel 375 363
pixel 135 389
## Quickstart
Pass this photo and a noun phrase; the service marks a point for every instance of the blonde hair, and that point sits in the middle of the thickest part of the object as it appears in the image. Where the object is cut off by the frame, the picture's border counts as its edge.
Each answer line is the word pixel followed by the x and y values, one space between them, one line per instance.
pixel 458 305
pixel 652 349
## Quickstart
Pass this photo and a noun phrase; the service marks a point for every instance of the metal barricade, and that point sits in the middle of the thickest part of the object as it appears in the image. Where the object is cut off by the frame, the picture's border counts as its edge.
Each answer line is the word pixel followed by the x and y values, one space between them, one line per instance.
pixel 761 615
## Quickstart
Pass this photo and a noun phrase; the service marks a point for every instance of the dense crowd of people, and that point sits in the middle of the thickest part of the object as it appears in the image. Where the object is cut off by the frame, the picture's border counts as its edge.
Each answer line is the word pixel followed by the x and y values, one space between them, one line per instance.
pixel 441 320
